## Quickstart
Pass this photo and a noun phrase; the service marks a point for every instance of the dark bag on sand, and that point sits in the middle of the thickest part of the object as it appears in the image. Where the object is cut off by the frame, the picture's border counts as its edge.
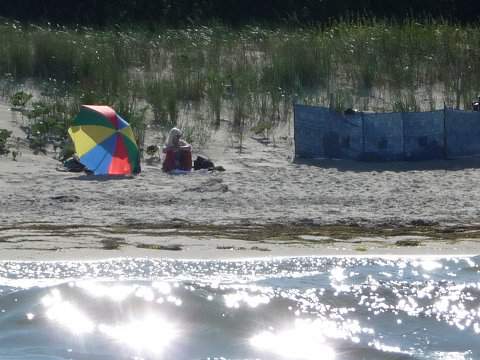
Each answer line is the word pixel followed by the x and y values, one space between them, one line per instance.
pixel 203 163
pixel 73 165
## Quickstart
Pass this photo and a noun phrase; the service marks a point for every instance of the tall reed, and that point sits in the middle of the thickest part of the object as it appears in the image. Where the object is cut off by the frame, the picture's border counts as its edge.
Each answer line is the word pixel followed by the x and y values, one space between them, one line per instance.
pixel 249 75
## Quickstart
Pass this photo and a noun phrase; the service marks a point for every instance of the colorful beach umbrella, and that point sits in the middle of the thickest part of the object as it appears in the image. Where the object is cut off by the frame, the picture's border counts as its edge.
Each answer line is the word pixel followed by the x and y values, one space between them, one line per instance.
pixel 104 142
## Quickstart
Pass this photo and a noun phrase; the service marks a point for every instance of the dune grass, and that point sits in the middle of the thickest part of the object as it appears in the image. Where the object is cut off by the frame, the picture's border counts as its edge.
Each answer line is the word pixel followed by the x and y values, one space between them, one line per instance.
pixel 248 75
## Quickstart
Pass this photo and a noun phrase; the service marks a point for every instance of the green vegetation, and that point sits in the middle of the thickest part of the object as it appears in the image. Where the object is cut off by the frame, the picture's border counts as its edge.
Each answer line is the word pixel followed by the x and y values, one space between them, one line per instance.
pixel 198 76
pixel 49 120
pixel 20 99
pixel 4 136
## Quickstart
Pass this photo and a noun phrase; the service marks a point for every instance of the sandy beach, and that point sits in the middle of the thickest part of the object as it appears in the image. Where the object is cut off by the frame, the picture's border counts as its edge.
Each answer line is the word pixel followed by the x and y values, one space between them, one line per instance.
pixel 264 204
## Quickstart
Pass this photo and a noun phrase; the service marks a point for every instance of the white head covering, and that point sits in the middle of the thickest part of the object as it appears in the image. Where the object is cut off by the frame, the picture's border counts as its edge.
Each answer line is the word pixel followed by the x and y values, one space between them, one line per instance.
pixel 172 135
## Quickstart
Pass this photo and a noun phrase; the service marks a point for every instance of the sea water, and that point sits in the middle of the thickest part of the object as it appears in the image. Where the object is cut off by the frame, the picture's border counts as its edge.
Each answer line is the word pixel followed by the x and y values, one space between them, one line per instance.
pixel 276 308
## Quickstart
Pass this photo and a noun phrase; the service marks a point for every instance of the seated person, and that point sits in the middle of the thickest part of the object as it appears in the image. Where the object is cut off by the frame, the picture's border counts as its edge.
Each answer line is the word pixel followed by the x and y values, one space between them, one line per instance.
pixel 178 153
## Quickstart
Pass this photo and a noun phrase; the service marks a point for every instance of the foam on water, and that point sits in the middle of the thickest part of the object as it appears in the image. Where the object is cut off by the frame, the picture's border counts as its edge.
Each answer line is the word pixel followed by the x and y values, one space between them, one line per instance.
pixel 283 308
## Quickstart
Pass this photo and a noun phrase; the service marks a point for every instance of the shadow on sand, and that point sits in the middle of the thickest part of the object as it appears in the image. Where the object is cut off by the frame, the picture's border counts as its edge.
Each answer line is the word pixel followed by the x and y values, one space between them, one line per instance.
pixel 395 166
pixel 86 177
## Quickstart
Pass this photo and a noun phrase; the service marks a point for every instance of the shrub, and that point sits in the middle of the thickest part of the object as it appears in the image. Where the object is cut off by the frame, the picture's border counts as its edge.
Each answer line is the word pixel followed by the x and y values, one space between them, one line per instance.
pixel 49 121
pixel 20 99
pixel 4 136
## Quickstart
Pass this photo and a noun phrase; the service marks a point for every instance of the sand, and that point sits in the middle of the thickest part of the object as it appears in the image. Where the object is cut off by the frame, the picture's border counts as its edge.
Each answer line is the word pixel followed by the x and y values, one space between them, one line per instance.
pixel 332 207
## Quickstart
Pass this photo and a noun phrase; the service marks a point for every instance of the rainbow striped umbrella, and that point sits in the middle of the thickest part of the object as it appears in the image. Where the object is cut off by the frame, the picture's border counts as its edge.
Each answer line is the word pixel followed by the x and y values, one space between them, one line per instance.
pixel 104 142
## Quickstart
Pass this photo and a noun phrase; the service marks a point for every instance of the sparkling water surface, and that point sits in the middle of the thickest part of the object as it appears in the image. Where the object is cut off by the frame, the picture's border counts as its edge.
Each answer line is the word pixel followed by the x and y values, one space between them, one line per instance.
pixel 277 308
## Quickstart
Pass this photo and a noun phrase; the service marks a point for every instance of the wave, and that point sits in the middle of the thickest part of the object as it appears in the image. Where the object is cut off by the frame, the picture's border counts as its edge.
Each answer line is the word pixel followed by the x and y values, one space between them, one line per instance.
pixel 291 308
